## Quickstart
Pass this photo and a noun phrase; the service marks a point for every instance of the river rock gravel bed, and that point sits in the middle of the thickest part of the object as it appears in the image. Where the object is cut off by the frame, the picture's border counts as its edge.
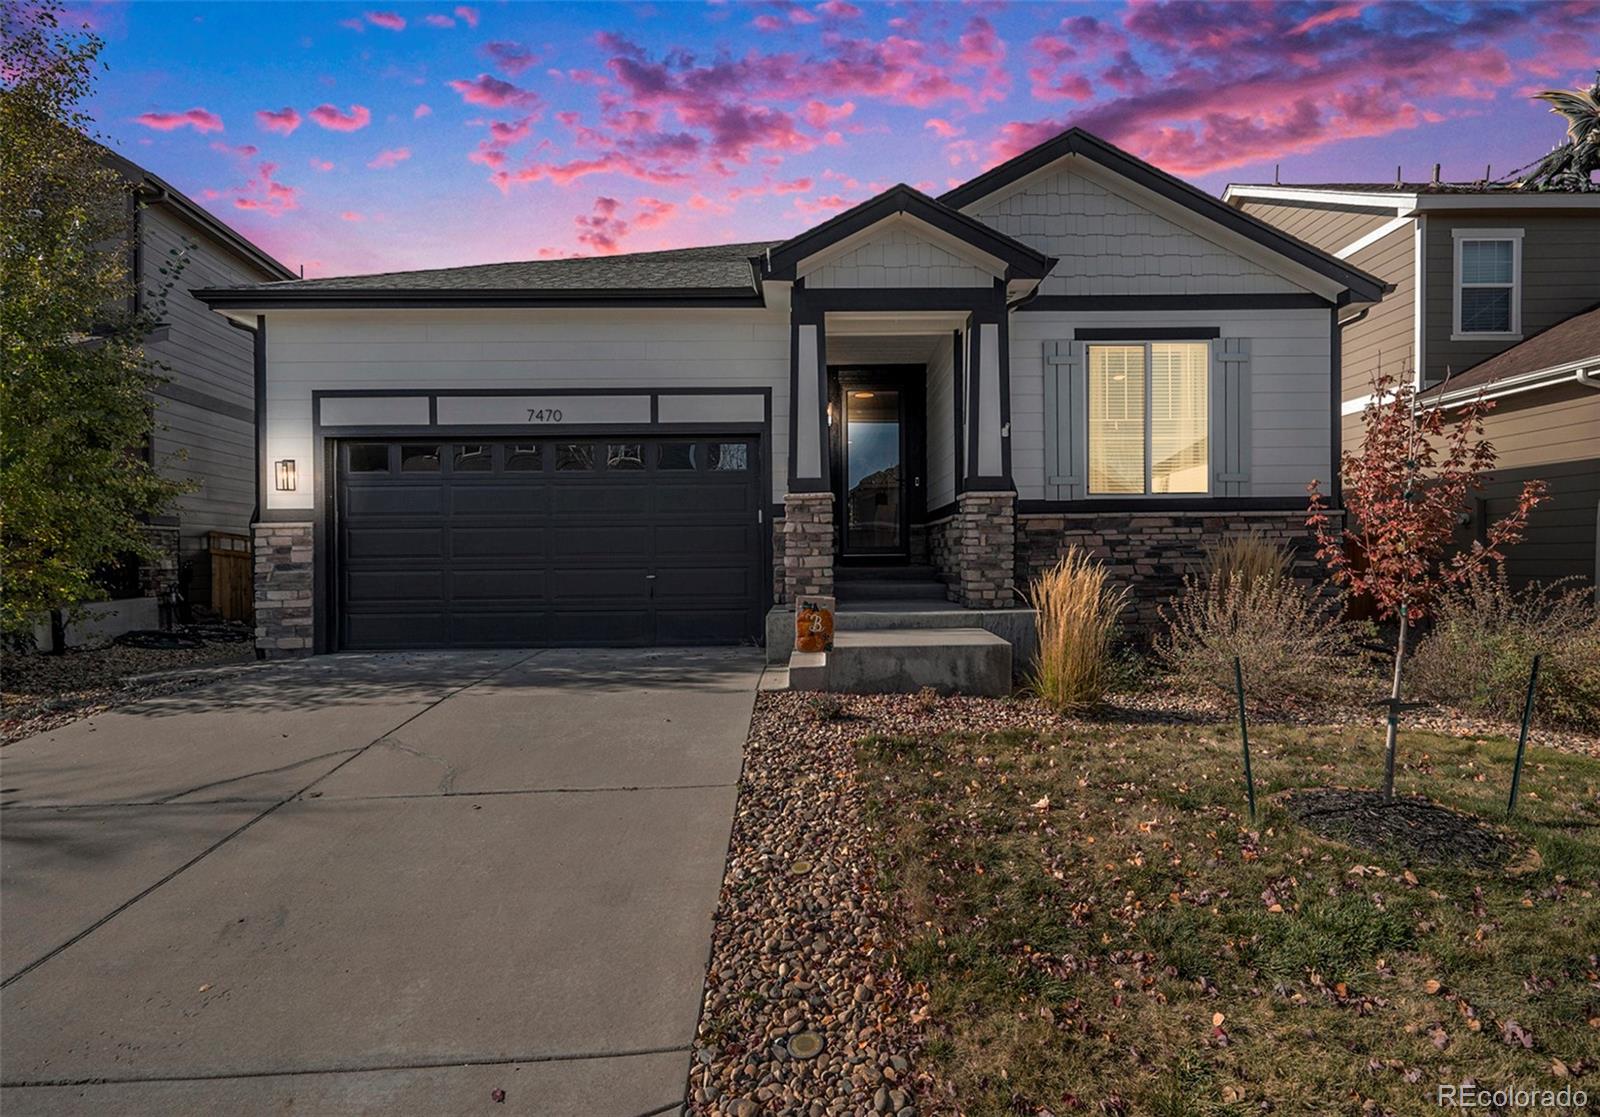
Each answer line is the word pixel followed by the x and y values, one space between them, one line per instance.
pixel 43 692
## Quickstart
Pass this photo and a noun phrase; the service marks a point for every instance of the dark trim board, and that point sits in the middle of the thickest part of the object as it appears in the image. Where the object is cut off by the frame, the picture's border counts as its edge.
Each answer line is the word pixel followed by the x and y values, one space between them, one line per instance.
pixel 323 515
pixel 1021 260
pixel 1149 333
pixel 1122 507
pixel 1176 302
pixel 825 299
pixel 1075 141
pixel 227 298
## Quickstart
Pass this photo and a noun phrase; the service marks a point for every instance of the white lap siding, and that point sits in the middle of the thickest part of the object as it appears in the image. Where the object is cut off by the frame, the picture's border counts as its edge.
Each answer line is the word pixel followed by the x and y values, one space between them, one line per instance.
pixel 575 349
pixel 1290 388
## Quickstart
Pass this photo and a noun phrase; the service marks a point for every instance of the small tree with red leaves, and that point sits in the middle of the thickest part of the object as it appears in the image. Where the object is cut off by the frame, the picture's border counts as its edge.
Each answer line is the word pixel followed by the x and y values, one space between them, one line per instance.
pixel 1405 493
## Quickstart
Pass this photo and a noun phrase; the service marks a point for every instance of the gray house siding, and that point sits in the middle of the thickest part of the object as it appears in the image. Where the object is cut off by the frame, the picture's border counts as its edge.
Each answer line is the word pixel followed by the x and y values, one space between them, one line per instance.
pixel 204 415
pixel 1560 277
pixel 941 420
pixel 1378 340
pixel 1330 228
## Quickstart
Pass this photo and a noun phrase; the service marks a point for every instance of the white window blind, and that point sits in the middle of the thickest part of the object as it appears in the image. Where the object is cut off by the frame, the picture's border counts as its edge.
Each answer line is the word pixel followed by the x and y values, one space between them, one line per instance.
pixel 1149 408
pixel 1116 419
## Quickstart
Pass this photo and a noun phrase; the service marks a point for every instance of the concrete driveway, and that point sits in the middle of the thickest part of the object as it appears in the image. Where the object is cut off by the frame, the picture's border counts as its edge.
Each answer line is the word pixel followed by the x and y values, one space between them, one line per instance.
pixel 372 884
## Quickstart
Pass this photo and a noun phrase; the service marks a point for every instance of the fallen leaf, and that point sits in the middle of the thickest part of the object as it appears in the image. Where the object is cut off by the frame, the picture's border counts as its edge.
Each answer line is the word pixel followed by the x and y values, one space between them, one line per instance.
pixel 204 987
pixel 1217 1019
pixel 1432 986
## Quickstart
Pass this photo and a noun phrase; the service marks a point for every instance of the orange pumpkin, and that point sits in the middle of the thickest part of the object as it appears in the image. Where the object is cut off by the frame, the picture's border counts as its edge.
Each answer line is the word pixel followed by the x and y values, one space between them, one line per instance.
pixel 813 628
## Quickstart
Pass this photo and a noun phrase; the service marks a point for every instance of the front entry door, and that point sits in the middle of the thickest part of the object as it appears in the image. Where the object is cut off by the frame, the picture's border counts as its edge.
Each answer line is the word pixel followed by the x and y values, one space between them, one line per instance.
pixel 877 478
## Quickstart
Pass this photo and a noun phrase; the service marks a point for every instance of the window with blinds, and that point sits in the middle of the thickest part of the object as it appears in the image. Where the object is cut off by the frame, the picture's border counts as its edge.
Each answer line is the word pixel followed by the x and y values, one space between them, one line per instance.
pixel 1149 408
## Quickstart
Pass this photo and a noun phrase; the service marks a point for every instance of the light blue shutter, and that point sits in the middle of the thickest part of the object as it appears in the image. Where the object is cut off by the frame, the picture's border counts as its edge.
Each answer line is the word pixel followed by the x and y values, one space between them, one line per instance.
pixel 1230 416
pixel 1066 414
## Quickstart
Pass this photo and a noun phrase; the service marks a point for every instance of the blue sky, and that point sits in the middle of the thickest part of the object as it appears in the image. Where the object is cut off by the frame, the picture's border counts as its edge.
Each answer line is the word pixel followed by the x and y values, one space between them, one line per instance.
pixel 435 134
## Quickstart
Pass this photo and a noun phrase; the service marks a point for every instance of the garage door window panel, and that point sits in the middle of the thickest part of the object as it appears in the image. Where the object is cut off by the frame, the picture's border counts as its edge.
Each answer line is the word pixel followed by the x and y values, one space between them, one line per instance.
pixel 368 457
pixel 574 457
pixel 419 459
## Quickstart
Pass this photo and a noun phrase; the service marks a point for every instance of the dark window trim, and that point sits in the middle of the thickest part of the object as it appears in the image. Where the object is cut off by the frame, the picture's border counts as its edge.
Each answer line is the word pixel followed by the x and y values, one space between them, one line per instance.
pixel 1150 333
pixel 1136 505
pixel 1176 302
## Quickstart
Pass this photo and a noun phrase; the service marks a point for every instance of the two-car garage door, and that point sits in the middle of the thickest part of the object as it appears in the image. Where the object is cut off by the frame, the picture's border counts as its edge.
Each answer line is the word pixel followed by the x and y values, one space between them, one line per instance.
pixel 549 542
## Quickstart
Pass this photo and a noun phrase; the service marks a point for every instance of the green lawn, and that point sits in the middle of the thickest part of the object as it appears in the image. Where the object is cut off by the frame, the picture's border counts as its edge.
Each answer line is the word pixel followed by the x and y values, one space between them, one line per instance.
pixel 1137 946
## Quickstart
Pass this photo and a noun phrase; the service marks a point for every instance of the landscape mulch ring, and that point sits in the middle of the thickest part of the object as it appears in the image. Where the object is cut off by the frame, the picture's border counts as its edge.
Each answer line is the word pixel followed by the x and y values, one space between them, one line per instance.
pixel 1406 827
pixel 43 692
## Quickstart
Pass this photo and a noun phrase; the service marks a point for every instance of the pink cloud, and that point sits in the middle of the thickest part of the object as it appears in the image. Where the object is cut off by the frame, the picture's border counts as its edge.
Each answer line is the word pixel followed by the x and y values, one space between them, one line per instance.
pixel 283 121
pixel 839 9
pixel 468 16
pixel 264 194
pixel 421 111
pixel 392 21
pixel 335 121
pixel 488 90
pixel 564 174
pixel 351 215
pixel 941 127
pixel 601 229
pixel 243 151
pixel 1333 14
pixel 828 203
pixel 1214 87
pixel 436 20
pixel 820 115
pixel 511 57
pixel 201 120
pixel 652 212
pixel 320 164
pixel 703 204
pixel 768 22
pixel 392 157
pixel 353 24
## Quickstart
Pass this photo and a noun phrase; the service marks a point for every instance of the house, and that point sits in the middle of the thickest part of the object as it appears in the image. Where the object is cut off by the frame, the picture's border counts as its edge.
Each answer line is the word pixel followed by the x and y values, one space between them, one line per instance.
pixel 918 398
pixel 1491 285
pixel 1545 424
pixel 204 431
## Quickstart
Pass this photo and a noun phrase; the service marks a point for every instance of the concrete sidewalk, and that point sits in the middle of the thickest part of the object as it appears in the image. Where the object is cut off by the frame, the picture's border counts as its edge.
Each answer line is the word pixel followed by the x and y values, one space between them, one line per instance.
pixel 381 883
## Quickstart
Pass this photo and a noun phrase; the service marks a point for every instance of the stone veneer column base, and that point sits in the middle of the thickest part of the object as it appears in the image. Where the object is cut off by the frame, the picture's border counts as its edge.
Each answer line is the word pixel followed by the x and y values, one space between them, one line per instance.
pixel 986 530
pixel 807 545
pixel 284 620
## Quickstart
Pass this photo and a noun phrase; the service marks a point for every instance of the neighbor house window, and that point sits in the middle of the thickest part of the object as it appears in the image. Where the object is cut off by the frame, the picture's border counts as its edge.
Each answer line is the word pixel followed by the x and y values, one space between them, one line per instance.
pixel 1148 418
pixel 1488 273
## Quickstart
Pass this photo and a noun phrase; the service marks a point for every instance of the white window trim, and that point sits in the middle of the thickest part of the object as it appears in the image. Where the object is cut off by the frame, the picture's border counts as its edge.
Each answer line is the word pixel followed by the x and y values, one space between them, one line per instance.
pixel 1149 375
pixel 1459 235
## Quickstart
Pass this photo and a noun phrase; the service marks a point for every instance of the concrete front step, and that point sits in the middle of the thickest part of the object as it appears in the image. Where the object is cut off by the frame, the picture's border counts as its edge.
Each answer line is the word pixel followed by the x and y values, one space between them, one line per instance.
pixel 1015 626
pixel 905 660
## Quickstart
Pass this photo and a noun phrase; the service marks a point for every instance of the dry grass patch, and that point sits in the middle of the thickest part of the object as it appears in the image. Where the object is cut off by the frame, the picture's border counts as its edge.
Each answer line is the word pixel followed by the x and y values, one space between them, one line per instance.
pixel 1102 929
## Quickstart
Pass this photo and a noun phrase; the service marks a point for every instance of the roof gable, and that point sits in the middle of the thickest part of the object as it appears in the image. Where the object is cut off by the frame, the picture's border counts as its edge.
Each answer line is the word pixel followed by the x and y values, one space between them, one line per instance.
pixel 961 235
pixel 1227 221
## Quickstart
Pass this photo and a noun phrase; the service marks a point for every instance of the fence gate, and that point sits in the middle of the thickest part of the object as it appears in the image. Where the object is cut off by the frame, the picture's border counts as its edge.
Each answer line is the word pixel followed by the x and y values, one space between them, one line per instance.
pixel 231 560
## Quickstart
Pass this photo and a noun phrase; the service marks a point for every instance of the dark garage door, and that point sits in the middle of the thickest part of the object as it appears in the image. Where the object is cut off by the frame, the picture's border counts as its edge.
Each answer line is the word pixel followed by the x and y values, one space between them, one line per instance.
pixel 549 542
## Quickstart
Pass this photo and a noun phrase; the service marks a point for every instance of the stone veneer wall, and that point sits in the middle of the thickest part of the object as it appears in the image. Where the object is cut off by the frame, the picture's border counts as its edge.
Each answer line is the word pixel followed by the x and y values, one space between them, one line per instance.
pixel 778 584
pixel 1150 552
pixel 283 578
pixel 944 551
pixel 807 545
pixel 986 534
pixel 159 574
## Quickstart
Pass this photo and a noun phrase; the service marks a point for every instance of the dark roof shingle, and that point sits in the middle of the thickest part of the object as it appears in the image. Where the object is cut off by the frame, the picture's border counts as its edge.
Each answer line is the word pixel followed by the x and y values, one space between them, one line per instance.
pixel 723 267
pixel 1573 339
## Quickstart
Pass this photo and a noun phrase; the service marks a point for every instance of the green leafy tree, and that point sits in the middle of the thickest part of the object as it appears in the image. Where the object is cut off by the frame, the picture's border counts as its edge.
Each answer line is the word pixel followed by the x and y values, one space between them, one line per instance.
pixel 75 408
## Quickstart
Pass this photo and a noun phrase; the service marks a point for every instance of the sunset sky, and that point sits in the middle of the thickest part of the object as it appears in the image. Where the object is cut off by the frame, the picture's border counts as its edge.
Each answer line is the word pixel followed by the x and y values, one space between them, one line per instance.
pixel 350 138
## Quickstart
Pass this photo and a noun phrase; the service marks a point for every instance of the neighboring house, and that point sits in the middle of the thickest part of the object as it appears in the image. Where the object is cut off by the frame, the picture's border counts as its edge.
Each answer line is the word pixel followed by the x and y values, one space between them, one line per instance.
pixel 1545 424
pixel 205 413
pixel 1074 347
pixel 1485 277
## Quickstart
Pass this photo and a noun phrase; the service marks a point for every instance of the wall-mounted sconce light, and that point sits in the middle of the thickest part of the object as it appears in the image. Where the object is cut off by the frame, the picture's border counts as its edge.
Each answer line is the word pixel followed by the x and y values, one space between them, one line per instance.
pixel 284 474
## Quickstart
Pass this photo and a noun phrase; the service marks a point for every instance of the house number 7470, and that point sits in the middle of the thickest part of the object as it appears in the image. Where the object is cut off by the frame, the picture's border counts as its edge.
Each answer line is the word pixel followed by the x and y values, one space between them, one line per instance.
pixel 544 414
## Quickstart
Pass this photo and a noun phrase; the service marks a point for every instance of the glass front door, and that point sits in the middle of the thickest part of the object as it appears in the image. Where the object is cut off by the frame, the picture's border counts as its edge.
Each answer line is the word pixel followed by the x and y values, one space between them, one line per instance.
pixel 875 495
